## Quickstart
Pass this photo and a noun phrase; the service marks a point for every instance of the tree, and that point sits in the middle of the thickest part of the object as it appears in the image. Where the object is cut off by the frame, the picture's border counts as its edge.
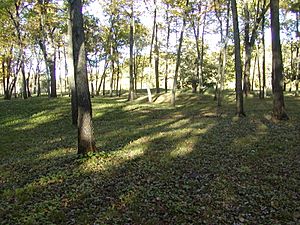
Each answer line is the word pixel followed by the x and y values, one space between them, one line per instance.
pixel 131 94
pixel 178 59
pixel 250 36
pixel 238 63
pixel 279 112
pixel 200 17
pixel 86 140
pixel 71 72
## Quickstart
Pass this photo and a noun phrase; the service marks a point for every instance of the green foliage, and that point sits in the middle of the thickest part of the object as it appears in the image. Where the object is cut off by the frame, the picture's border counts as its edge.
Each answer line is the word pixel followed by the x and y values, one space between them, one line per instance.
pixel 156 164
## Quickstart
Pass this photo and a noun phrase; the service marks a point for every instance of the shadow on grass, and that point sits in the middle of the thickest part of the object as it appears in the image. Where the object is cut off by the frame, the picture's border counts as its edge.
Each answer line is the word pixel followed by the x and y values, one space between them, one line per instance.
pixel 193 164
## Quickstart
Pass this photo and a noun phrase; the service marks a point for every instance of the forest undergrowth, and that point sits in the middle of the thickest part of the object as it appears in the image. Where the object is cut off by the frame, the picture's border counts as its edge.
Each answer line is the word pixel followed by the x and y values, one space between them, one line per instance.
pixel 193 164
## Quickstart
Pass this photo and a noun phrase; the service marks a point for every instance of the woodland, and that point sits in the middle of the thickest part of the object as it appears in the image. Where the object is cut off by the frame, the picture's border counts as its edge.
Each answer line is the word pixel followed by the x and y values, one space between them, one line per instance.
pixel 149 112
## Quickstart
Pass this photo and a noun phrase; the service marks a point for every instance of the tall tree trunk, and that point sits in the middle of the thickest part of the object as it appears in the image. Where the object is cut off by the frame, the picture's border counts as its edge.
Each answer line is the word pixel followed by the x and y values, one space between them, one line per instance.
pixel 254 71
pixel 238 63
pixel 102 80
pixel 247 51
pixel 249 41
pixel 118 78
pixel 52 69
pixel 263 95
pixel 178 58
pixel 71 71
pixel 156 61
pixel 202 54
pixel 279 112
pixel 112 55
pixel 111 86
pixel 131 94
pixel 24 94
pixel 297 55
pixel 167 51
pixel 86 140
pixel 223 54
pixel 259 77
pixel 103 87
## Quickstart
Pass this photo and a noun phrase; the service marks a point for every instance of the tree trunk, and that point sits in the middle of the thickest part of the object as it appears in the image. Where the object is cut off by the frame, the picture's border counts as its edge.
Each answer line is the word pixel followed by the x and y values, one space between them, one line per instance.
pixel 24 94
pixel 167 51
pixel 86 140
pixel 102 79
pixel 202 54
pixel 259 77
pixel 118 78
pixel 156 61
pixel 247 51
pixel 178 58
pixel 238 63
pixel 52 69
pixel 131 94
pixel 254 71
pixel 149 93
pixel 279 112
pixel 71 71
pixel 263 95
pixel 297 56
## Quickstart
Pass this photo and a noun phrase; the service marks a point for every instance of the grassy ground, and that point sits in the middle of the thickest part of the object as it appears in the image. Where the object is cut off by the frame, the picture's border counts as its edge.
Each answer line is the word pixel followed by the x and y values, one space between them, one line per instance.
pixel 193 164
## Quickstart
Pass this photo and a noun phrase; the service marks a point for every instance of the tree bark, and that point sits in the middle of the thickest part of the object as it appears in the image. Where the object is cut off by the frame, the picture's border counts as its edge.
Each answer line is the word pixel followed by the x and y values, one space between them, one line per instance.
pixel 279 112
pixel 86 140
pixel 238 63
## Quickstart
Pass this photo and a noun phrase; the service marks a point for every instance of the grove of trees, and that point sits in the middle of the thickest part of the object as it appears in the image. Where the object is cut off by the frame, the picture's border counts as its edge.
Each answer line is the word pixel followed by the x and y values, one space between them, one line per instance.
pixel 87 48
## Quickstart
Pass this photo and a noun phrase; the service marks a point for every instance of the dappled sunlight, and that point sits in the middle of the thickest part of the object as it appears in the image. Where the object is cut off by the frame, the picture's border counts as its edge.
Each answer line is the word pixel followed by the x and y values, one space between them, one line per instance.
pixel 156 164
pixel 247 142
pixel 130 151
pixel 57 153
pixel 184 147
pixel 38 119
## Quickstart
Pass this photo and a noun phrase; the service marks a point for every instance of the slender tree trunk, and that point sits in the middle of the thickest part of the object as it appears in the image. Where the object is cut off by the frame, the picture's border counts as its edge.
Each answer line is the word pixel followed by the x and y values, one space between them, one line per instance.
pixel 118 78
pixel 178 58
pixel 156 61
pixel 201 80
pixel 103 88
pixel 167 51
pixel 135 62
pixel 25 94
pixel 102 80
pixel 297 56
pixel 259 77
pixel 238 63
pixel 52 69
pixel 263 95
pixel 66 65
pixel 254 72
pixel 149 93
pixel 112 55
pixel 247 51
pixel 111 86
pixel 279 112
pixel 131 86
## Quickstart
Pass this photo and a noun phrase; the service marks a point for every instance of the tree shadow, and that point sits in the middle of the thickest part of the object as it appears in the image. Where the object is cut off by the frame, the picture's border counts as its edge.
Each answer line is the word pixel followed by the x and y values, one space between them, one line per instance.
pixel 160 165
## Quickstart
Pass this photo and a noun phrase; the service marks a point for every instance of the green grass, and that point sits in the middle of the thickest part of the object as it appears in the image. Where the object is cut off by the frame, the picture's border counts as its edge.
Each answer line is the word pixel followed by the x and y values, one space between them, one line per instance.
pixel 192 164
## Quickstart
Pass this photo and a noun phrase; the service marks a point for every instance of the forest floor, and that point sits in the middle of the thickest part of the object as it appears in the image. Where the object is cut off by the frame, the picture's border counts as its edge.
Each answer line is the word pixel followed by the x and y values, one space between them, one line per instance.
pixel 192 164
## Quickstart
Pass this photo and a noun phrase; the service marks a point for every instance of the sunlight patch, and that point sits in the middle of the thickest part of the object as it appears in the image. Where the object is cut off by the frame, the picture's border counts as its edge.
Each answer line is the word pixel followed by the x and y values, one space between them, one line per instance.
pixel 184 148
